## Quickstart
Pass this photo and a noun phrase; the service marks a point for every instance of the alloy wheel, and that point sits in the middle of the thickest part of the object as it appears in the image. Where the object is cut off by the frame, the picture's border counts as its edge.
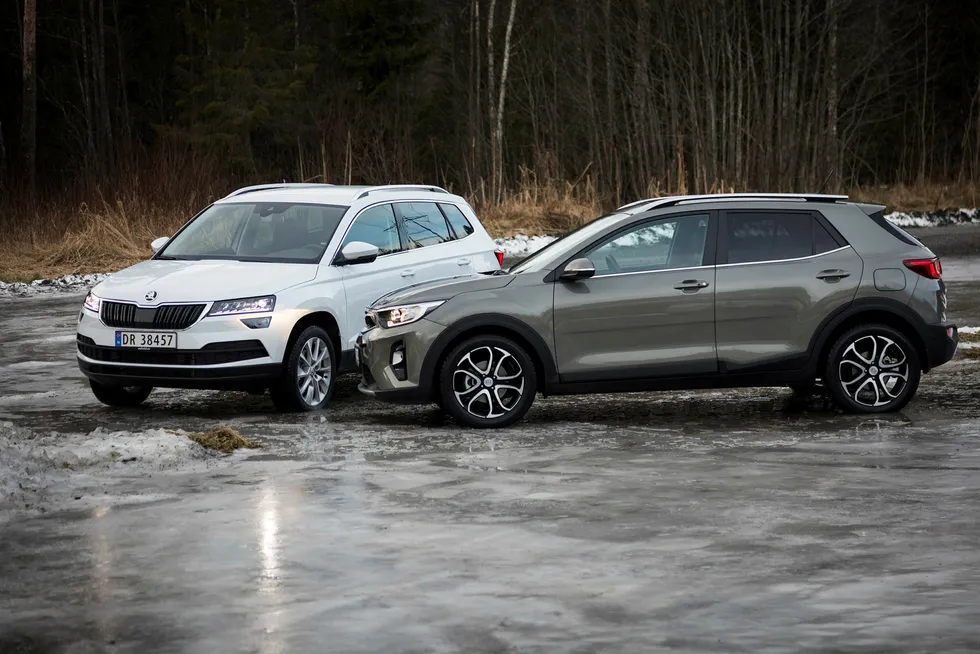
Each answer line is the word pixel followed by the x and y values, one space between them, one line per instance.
pixel 488 382
pixel 874 370
pixel 313 371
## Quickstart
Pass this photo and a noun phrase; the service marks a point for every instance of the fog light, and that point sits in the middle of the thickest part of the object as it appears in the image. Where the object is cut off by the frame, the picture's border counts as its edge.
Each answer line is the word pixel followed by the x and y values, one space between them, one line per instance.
pixel 398 364
pixel 257 323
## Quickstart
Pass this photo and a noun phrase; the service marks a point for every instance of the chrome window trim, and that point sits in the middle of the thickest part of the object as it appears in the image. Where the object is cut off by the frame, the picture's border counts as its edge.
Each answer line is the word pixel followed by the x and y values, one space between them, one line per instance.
pixel 810 256
pixel 648 272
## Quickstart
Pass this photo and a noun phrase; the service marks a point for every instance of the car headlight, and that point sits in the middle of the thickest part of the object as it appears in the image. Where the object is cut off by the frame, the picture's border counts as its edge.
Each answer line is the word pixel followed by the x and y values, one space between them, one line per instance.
pixel 405 314
pixel 246 305
pixel 93 302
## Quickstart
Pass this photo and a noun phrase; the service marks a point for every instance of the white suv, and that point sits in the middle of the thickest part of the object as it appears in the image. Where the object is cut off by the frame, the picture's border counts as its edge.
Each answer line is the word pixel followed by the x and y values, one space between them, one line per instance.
pixel 267 288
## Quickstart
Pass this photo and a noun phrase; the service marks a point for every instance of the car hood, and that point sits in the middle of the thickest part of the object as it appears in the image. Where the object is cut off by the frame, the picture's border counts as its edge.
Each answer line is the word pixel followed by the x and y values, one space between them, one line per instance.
pixel 202 281
pixel 443 289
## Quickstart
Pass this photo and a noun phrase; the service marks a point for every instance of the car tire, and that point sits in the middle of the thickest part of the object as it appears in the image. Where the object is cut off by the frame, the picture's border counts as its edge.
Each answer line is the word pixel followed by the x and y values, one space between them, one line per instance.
pixel 309 373
pixel 121 396
pixel 487 382
pixel 872 369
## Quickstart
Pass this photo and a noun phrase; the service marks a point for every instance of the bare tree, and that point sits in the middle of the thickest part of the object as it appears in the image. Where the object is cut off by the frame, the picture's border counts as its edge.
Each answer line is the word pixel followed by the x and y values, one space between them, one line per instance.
pixel 28 125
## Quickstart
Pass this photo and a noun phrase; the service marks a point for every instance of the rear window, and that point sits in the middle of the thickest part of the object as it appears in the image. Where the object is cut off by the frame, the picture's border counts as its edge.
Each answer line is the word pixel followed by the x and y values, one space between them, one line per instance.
pixel 879 218
pixel 769 236
pixel 461 226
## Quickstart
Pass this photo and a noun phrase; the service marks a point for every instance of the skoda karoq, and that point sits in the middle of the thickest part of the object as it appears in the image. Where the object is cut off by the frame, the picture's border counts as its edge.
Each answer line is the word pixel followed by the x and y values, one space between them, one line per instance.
pixel 266 289
pixel 670 293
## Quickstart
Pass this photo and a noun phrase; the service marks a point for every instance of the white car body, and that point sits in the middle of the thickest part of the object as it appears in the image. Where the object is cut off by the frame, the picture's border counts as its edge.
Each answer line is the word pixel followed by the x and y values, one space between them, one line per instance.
pixel 324 293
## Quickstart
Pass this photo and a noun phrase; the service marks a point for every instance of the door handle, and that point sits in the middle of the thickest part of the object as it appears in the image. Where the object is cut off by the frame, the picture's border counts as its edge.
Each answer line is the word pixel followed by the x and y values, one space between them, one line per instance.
pixel 691 285
pixel 465 261
pixel 833 275
pixel 408 272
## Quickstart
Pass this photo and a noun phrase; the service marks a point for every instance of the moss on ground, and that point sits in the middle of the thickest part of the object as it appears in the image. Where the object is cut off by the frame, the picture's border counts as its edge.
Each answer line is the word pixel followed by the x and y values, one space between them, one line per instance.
pixel 223 439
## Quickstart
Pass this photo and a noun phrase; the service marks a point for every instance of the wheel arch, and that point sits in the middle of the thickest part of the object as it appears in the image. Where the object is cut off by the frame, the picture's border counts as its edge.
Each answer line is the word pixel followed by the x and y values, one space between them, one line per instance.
pixel 323 319
pixel 498 325
pixel 871 311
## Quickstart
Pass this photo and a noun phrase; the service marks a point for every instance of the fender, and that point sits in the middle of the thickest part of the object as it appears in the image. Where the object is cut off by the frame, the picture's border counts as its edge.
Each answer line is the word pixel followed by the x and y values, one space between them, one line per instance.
pixel 830 324
pixel 490 322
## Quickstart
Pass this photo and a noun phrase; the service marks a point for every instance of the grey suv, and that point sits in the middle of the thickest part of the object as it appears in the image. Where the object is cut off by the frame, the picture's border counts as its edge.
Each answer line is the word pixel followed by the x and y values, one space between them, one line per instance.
pixel 675 293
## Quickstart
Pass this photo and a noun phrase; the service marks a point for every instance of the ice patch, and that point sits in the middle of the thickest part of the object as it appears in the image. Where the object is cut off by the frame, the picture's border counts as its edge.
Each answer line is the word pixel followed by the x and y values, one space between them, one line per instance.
pixel 66 284
pixel 57 471
pixel 940 218
pixel 521 244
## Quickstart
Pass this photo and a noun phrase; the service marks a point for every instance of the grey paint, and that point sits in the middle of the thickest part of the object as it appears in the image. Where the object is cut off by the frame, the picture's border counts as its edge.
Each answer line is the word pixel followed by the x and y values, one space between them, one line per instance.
pixel 638 323
pixel 889 279
pixel 772 310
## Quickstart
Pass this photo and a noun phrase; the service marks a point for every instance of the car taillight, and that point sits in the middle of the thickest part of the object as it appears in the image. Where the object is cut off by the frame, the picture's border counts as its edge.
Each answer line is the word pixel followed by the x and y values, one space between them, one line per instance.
pixel 500 257
pixel 928 268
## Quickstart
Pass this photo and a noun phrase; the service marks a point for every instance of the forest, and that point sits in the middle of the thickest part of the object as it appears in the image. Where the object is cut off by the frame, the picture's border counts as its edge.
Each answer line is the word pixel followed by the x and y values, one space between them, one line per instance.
pixel 120 119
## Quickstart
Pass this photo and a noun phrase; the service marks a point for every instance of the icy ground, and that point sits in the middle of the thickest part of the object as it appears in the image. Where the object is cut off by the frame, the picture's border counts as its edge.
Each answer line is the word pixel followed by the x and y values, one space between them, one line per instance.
pixel 41 472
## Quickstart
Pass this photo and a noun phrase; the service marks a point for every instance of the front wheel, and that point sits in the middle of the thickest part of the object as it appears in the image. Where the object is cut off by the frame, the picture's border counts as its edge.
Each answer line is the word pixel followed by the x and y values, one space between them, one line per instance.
pixel 872 369
pixel 309 372
pixel 487 381
pixel 122 396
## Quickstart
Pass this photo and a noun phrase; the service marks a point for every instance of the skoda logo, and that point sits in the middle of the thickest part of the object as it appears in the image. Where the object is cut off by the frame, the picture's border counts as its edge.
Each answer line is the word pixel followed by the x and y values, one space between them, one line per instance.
pixel 152 295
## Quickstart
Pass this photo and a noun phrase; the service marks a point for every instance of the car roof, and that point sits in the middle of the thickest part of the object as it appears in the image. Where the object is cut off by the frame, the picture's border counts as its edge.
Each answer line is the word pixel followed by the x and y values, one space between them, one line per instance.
pixel 336 195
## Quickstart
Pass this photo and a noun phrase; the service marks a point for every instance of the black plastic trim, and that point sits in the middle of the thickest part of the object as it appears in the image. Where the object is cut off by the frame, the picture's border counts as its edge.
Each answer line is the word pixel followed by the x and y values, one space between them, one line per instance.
pixel 428 373
pixel 209 355
pixel 686 369
pixel 234 378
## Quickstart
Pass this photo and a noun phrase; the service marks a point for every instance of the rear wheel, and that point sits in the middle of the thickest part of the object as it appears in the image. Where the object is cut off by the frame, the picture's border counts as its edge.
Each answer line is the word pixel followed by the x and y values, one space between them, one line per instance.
pixel 124 396
pixel 872 369
pixel 487 381
pixel 309 373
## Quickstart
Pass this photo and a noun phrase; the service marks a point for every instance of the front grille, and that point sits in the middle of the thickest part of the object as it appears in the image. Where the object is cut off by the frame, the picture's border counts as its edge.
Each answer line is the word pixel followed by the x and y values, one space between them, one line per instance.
pixel 166 316
pixel 209 355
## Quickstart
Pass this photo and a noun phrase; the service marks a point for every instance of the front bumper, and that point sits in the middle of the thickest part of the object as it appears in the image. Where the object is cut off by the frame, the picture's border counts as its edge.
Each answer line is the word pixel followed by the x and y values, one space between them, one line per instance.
pixel 374 349
pixel 213 353
pixel 940 342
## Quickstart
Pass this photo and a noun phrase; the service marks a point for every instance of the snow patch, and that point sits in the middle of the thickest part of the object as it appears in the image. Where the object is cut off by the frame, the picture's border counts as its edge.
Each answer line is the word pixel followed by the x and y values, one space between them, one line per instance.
pixel 940 218
pixel 968 330
pixel 56 470
pixel 66 284
pixel 521 244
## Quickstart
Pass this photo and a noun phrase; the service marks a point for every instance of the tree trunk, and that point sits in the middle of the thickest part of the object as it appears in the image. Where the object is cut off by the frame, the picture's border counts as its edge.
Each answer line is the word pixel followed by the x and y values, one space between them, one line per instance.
pixel 498 131
pixel 28 125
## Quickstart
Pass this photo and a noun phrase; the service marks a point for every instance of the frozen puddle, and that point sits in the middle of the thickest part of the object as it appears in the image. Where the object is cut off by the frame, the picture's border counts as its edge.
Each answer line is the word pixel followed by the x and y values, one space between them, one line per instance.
pixel 56 471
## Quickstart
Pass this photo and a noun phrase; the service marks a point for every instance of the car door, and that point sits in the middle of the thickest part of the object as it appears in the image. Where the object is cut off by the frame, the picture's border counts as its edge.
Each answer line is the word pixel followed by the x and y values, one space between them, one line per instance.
pixel 780 274
pixel 427 232
pixel 366 282
pixel 648 311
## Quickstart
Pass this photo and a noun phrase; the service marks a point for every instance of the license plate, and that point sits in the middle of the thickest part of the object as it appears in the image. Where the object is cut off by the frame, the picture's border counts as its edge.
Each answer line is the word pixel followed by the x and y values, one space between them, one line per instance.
pixel 164 340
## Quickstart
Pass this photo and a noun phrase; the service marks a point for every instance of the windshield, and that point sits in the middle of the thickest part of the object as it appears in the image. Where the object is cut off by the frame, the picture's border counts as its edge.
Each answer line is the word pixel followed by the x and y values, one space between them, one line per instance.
pixel 565 245
pixel 268 232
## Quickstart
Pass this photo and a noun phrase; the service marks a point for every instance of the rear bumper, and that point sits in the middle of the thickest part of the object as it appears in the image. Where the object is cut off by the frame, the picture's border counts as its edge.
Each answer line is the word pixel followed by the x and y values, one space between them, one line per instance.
pixel 224 378
pixel 940 342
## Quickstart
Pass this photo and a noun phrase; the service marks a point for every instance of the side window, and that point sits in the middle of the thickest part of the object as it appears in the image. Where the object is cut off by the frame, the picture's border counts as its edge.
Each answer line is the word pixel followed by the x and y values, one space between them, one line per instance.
pixel 376 226
pixel 424 224
pixel 768 236
pixel 461 226
pixel 666 243
pixel 822 240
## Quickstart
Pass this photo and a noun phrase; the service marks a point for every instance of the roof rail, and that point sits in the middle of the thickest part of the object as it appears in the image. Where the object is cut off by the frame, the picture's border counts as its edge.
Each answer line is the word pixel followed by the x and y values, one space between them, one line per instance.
pixel 402 187
pixel 270 187
pixel 659 203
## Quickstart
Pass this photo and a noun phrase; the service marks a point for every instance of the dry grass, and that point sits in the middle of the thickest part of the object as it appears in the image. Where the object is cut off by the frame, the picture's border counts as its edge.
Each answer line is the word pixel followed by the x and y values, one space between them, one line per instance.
pixel 223 439
pixel 104 235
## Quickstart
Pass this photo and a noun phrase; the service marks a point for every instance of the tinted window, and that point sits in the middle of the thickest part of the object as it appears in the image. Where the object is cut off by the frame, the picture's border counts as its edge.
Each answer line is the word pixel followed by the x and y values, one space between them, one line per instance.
pixel 376 226
pixel 461 226
pixel 879 218
pixel 667 243
pixel 822 240
pixel 424 224
pixel 272 231
pixel 769 236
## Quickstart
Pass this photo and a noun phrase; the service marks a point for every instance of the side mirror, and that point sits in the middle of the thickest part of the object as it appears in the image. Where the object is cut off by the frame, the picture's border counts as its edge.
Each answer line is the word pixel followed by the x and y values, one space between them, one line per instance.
pixel 158 243
pixel 357 252
pixel 578 269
